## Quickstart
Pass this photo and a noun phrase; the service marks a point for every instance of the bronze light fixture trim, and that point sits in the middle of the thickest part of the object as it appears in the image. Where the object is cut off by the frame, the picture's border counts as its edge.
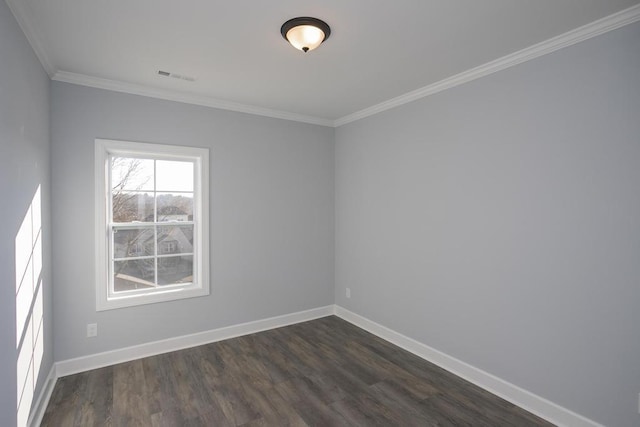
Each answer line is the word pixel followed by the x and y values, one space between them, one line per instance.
pixel 305 33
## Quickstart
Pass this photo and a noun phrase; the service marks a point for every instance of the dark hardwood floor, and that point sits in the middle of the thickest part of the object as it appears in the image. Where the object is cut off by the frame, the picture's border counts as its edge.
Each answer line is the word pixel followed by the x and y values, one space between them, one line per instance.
pixel 325 372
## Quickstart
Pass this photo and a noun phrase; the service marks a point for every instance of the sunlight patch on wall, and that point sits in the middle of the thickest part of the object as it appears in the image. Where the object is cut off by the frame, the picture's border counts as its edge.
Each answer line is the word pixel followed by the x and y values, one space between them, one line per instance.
pixel 29 306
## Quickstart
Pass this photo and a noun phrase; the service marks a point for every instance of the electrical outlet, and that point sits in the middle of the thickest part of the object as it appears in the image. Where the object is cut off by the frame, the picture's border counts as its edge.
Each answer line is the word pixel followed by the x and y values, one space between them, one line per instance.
pixel 348 292
pixel 92 330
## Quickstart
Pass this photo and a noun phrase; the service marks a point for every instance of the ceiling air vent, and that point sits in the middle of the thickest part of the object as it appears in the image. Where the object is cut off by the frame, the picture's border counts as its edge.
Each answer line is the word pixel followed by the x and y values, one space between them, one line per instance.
pixel 176 76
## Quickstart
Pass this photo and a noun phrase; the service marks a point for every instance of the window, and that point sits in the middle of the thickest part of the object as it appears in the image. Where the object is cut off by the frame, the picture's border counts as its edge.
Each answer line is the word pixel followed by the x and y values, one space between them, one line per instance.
pixel 152 223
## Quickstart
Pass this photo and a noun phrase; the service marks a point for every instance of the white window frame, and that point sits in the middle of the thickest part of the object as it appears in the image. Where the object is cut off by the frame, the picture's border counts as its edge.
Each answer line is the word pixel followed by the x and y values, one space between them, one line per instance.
pixel 106 298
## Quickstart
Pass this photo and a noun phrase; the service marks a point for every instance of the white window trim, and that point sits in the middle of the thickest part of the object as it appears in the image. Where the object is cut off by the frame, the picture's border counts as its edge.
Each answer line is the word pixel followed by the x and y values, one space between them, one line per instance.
pixel 106 300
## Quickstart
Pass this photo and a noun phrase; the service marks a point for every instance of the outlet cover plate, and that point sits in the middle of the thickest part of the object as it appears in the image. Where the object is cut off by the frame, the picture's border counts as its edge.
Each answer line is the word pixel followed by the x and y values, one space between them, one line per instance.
pixel 92 330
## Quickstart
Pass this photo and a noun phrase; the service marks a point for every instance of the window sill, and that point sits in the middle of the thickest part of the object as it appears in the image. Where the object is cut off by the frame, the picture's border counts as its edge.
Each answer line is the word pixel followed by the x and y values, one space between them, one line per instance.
pixel 170 294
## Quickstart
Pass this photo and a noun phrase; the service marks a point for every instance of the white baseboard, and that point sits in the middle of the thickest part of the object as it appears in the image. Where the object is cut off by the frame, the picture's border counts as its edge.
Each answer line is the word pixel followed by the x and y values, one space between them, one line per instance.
pixel 535 404
pixel 99 360
pixel 38 410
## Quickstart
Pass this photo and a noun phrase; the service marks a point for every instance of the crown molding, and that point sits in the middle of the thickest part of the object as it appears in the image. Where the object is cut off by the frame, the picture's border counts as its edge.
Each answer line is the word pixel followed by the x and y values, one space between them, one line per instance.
pixel 601 26
pixel 572 37
pixel 187 98
pixel 18 8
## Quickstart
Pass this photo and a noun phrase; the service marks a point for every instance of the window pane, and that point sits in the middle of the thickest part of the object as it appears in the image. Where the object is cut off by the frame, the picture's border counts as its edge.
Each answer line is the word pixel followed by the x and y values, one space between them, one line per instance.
pixel 133 274
pixel 175 240
pixel 133 242
pixel 132 206
pixel 149 205
pixel 174 176
pixel 131 174
pixel 175 269
pixel 175 207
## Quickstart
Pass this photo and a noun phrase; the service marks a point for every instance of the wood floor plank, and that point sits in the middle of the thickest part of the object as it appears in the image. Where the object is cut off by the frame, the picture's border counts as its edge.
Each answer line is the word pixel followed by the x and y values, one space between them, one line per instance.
pixel 234 404
pixel 316 413
pixel 130 403
pixel 325 372
pixel 65 399
pixel 269 404
pixel 98 398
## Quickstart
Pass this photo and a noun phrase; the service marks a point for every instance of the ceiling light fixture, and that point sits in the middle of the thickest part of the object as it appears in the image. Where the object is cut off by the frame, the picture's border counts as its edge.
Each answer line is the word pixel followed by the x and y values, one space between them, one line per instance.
pixel 305 33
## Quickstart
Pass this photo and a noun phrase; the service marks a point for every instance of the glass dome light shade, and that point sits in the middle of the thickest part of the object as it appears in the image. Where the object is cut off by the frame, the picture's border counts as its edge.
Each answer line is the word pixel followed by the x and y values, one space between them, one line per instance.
pixel 305 33
pixel 305 36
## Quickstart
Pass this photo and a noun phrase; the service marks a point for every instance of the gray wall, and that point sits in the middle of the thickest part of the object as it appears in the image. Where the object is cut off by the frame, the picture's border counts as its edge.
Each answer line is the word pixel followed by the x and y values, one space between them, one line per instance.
pixel 499 222
pixel 24 165
pixel 272 245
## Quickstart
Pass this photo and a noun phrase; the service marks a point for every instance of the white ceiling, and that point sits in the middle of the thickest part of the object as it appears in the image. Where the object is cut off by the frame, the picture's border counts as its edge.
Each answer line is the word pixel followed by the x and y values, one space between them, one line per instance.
pixel 378 49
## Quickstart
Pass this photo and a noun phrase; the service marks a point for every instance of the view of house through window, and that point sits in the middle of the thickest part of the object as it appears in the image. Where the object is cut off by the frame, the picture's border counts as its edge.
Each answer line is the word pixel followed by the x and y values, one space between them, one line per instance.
pixel 147 198
pixel 154 199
